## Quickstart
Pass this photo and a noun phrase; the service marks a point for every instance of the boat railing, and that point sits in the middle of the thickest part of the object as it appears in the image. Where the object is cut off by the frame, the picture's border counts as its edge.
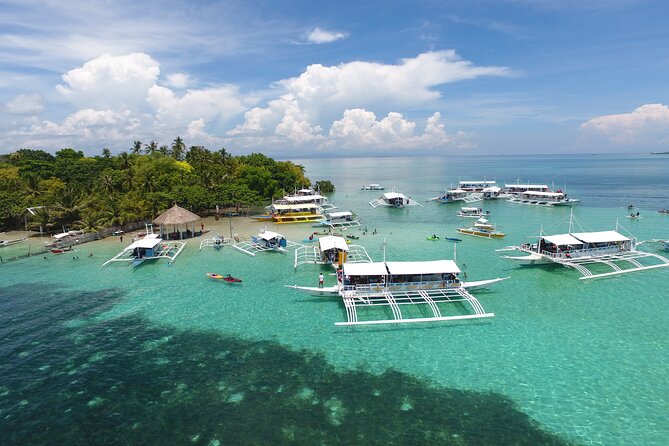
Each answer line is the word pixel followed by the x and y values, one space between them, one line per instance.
pixel 588 252
pixel 402 286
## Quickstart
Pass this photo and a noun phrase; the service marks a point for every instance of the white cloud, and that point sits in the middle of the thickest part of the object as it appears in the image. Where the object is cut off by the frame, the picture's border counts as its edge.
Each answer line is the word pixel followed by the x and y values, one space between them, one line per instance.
pixel 179 80
pixel 211 104
pixel 90 125
pixel 648 125
pixel 25 104
pixel 359 129
pixel 322 93
pixel 114 82
pixel 323 36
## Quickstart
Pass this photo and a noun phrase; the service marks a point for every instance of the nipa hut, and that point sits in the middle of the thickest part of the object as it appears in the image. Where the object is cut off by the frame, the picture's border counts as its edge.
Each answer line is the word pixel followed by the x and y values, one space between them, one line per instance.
pixel 178 218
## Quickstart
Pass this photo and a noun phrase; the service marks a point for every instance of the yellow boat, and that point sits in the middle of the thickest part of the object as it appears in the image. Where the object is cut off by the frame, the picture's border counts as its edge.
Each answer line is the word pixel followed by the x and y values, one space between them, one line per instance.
pixel 482 228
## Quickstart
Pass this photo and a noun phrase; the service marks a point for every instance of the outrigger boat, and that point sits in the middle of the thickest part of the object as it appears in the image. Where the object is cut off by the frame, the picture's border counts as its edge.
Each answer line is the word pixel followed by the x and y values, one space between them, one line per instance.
pixel 342 219
pixel 264 241
pixel 584 250
pixel 470 212
pixel 4 243
pixel 331 250
pixel 451 196
pixel 476 185
pixel 537 198
pixel 394 199
pixel 517 189
pixel 216 242
pixel 482 228
pixel 294 213
pixel 151 247
pixel 372 186
pixel 411 292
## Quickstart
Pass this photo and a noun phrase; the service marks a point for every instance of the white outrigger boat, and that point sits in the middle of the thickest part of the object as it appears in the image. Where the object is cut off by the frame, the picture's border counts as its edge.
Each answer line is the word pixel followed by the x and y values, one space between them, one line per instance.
pixel 476 185
pixel 517 188
pixel 482 228
pixel 264 241
pixel 331 250
pixel 151 247
pixel 470 212
pixel 410 292
pixel 451 196
pixel 372 186
pixel 216 242
pixel 340 219
pixel 394 199
pixel 548 199
pixel 584 250
pixel 4 243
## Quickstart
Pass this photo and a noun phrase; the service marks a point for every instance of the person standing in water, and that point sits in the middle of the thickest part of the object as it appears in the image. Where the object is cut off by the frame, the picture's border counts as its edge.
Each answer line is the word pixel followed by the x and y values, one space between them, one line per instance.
pixel 321 280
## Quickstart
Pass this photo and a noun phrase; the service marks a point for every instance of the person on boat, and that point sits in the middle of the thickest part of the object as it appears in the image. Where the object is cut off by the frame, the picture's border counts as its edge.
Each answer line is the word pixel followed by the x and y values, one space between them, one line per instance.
pixel 321 280
pixel 637 214
pixel 311 237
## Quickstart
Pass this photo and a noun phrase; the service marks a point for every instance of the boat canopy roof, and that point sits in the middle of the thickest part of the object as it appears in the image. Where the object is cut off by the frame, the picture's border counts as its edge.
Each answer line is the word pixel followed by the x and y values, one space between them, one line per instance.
pixel 492 189
pixel 332 242
pixel 469 209
pixel 427 267
pixel 150 241
pixel 477 183
pixel 457 190
pixel 300 198
pixel 600 237
pixel 67 234
pixel 391 195
pixel 339 214
pixel 527 186
pixel 365 269
pixel 305 191
pixel 269 235
pixel 562 240
pixel 537 193
pixel 289 207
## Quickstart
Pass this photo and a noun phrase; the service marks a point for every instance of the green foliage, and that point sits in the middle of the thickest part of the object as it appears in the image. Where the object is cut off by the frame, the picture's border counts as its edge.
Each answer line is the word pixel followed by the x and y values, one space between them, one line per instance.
pixel 325 186
pixel 112 190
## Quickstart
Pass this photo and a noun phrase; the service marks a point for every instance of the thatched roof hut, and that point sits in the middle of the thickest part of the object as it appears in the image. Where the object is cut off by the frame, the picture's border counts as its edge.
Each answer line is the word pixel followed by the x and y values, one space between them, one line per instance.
pixel 177 216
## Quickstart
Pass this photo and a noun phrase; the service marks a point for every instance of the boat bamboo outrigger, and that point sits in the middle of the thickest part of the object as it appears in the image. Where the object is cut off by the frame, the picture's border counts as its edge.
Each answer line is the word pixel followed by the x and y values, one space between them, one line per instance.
pixel 408 292
pixel 331 250
pixel 586 252
pixel 482 228
pixel 264 241
pixel 151 247
pixel 341 219
pixel 394 199
pixel 538 198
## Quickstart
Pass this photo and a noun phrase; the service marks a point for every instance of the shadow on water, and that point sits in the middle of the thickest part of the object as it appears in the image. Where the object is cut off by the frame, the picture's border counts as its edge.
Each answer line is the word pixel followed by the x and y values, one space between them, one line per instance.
pixel 69 378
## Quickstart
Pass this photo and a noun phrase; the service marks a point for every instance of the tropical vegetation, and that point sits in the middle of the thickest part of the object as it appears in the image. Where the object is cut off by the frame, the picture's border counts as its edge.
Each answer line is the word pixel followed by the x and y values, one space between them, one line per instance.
pixel 77 191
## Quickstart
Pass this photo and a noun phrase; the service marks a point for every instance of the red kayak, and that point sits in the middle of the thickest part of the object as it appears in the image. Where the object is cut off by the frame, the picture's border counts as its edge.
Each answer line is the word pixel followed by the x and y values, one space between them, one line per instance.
pixel 60 250
pixel 227 278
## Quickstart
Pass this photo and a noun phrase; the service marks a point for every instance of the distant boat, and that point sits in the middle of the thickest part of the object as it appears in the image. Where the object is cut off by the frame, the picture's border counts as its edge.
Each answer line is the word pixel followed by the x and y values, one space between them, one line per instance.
pixel 4 243
pixel 482 228
pixel 394 199
pixel 372 186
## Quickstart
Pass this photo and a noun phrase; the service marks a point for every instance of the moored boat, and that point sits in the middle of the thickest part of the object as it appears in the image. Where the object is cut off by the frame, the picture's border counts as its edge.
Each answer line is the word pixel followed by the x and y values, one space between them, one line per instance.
pixel 4 243
pixel 151 247
pixel 548 199
pixel 470 212
pixel 372 186
pixel 482 228
pixel 394 199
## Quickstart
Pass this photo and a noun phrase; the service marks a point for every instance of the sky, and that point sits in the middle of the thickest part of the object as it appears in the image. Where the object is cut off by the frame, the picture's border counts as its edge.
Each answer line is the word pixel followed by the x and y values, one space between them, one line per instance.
pixel 293 78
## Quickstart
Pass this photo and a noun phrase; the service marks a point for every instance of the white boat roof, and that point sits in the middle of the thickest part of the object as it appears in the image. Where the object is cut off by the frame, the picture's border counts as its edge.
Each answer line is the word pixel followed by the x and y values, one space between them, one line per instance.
pixel 562 239
pixel 476 182
pixel 544 194
pixel 391 195
pixel 492 189
pixel 528 186
pixel 331 242
pixel 458 190
pixel 427 267
pixel 269 235
pixel 339 214
pixel 365 269
pixel 150 241
pixel 600 237
pixel 468 209
pixel 67 234
pixel 294 198
pixel 305 191
pixel 285 207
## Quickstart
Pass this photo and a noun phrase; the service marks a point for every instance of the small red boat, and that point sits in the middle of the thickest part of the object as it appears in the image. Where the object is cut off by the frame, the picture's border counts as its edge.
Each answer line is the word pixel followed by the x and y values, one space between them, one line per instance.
pixel 227 278
pixel 60 250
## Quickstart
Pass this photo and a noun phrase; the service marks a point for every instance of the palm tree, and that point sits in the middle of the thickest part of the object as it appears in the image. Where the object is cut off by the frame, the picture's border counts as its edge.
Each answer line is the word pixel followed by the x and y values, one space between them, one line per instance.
pixel 178 148
pixel 151 148
pixel 106 153
pixel 88 223
pixel 42 219
pixel 136 148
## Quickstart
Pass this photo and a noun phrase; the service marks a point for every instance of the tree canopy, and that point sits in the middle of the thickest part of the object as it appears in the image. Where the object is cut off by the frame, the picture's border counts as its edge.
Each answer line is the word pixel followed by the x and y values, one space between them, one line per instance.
pixel 112 190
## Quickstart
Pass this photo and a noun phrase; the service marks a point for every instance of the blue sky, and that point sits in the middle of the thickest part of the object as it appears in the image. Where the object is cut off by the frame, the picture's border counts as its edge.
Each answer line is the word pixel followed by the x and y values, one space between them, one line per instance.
pixel 315 78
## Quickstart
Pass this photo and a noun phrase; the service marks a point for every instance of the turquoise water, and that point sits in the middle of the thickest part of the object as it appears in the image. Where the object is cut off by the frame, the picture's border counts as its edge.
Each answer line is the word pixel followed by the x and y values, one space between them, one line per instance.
pixel 162 354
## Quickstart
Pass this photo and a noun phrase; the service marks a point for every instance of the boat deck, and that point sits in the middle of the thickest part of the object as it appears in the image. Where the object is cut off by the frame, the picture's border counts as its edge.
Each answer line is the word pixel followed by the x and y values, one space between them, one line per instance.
pixel 312 255
pixel 251 248
pixel 431 305
pixel 168 250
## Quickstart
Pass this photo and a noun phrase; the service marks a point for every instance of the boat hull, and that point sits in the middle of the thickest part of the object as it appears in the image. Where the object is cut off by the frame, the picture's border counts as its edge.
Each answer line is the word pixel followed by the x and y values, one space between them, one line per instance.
pixel 482 234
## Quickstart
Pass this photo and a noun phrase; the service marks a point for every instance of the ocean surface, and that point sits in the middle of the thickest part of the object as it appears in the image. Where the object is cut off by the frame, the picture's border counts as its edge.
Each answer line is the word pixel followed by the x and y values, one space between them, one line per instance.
pixel 160 354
